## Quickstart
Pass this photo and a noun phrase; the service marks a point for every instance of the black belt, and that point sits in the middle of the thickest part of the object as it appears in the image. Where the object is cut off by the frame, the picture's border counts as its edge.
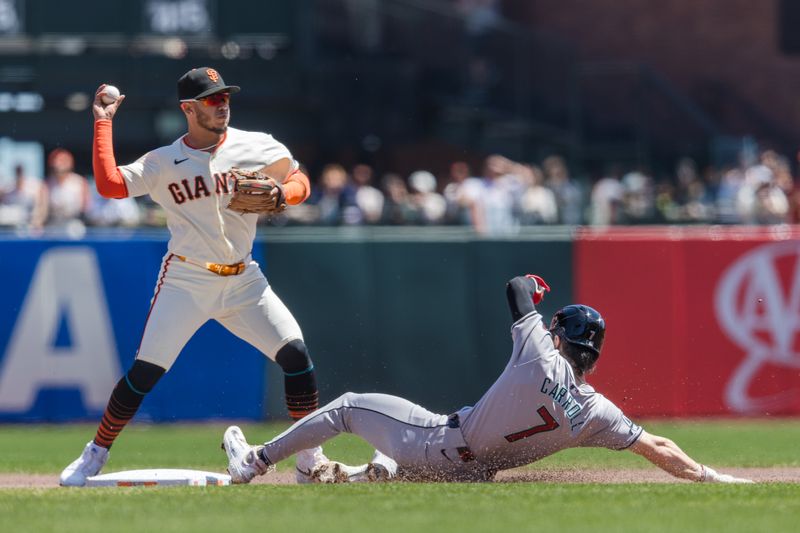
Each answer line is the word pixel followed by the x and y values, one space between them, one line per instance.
pixel 466 455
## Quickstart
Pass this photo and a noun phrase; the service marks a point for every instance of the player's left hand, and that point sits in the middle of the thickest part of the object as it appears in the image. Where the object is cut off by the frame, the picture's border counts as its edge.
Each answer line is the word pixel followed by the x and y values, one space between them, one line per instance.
pixel 541 287
pixel 256 193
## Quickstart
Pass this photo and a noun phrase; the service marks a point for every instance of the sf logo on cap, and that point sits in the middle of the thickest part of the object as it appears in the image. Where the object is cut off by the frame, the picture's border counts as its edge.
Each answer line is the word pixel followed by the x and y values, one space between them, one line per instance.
pixel 212 75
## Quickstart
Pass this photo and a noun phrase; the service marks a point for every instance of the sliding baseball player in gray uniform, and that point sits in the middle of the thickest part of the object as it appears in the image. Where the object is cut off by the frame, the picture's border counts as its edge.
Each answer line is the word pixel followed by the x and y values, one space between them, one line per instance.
pixel 540 404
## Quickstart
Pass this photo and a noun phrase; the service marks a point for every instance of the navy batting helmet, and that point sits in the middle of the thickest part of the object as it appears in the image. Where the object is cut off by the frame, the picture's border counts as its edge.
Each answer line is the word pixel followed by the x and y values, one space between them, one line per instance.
pixel 581 325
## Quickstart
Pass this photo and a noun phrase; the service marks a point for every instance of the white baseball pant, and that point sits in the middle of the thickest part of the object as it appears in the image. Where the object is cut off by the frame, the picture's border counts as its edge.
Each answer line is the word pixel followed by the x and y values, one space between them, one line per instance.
pixel 187 296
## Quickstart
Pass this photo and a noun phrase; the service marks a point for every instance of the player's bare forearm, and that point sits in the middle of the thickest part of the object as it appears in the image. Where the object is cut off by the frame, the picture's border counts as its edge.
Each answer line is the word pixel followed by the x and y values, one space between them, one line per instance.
pixel 668 456
pixel 297 187
pixel 279 170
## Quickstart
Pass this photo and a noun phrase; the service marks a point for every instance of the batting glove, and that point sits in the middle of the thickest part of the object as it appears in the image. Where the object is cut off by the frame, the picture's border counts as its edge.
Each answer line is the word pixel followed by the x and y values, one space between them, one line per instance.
pixel 541 287
pixel 712 476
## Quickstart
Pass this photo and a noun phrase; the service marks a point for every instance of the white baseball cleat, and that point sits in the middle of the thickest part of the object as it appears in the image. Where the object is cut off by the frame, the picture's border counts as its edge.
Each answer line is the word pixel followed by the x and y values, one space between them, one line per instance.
pixel 381 468
pixel 244 461
pixel 314 467
pixel 331 472
pixel 306 462
pixel 89 464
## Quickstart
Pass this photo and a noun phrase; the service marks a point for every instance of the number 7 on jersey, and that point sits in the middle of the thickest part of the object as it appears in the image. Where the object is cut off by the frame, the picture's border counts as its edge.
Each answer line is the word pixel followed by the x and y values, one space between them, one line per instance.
pixel 549 425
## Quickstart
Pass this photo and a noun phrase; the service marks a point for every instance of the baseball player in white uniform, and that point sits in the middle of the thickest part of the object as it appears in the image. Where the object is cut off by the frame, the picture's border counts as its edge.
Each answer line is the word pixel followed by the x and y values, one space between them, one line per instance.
pixel 208 271
pixel 540 404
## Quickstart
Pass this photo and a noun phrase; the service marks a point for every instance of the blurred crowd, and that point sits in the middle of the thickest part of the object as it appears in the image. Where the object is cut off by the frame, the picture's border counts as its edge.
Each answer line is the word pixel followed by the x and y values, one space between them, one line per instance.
pixel 763 191
pixel 496 199
pixel 63 199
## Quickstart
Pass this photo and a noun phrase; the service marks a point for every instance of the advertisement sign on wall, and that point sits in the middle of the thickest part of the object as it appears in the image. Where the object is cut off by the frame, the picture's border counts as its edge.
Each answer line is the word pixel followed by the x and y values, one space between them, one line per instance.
pixel 71 319
pixel 700 321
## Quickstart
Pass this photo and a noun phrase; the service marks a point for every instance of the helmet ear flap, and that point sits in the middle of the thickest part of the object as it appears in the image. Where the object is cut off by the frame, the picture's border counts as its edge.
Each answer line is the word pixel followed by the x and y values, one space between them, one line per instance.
pixel 596 334
pixel 557 331
pixel 556 323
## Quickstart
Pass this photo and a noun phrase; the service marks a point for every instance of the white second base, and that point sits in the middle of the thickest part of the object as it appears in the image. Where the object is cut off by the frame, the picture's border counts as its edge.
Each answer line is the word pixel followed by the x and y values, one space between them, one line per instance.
pixel 159 477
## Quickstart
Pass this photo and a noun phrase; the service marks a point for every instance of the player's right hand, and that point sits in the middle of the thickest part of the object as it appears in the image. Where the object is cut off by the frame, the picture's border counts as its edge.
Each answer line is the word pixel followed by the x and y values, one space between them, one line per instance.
pixel 541 287
pixel 712 476
pixel 102 111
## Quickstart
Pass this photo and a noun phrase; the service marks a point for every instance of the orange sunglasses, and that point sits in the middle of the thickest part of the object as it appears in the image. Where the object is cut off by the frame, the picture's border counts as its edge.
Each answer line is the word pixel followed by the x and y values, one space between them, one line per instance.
pixel 212 100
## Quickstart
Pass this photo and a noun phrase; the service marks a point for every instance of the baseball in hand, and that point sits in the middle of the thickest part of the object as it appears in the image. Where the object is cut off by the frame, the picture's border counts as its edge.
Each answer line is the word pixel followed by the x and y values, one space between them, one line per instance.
pixel 109 95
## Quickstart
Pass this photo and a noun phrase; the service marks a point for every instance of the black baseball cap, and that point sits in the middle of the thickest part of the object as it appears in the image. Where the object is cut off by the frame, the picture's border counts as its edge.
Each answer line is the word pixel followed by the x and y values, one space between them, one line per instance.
pixel 201 82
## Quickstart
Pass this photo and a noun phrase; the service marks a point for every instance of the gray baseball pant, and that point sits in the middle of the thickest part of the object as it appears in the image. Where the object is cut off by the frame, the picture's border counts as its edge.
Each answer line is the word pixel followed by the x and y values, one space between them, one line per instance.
pixel 419 441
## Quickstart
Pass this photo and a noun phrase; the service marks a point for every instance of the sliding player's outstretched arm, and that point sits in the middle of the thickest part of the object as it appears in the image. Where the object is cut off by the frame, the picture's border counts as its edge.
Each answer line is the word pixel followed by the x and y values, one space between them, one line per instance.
pixel 668 456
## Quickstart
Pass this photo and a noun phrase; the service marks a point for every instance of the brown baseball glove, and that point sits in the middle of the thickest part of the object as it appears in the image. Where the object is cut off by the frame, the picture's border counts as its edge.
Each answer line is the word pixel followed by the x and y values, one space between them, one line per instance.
pixel 255 192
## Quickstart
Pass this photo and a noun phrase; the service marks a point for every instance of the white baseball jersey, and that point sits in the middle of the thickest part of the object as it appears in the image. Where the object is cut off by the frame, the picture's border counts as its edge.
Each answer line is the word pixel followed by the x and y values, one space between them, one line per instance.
pixel 194 188
pixel 538 406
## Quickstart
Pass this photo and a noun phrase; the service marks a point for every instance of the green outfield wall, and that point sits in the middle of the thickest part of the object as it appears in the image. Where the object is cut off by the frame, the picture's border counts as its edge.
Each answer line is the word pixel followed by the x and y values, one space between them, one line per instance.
pixel 418 314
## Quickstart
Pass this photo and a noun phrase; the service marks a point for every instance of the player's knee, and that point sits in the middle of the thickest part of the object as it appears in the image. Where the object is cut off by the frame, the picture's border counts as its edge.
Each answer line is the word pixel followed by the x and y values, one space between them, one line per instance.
pixel 293 357
pixel 349 399
pixel 143 376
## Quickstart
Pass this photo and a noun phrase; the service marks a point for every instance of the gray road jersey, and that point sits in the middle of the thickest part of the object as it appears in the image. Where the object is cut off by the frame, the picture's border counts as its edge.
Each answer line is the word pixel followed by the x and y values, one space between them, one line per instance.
pixel 538 407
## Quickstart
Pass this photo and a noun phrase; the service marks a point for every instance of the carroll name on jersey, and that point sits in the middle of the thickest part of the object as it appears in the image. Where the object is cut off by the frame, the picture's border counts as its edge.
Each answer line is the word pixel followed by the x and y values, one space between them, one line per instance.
pixel 562 397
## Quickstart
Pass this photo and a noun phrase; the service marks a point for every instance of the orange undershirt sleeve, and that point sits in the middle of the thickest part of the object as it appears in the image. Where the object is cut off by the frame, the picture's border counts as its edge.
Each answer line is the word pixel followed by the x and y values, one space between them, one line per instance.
pixel 296 188
pixel 107 177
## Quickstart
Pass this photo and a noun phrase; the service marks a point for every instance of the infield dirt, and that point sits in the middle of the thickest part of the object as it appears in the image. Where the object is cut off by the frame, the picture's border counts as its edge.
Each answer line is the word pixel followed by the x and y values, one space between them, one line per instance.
pixel 545 475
